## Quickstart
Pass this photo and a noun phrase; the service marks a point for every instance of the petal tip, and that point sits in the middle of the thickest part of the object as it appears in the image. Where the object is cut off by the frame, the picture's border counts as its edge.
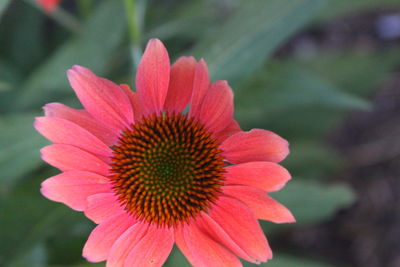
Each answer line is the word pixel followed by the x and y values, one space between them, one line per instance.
pixel 43 152
pixel 77 70
pixel 202 61
pixel 89 257
pixel 290 218
pixel 47 109
pixel 155 43
pixel 43 190
pixel 37 123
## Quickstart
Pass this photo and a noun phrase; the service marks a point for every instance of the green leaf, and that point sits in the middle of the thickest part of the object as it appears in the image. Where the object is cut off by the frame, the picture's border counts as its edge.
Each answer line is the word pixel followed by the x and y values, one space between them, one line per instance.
pixel 27 219
pixel 8 73
pixel 16 33
pixel 311 202
pixel 8 77
pixel 189 19
pixel 20 145
pixel 292 101
pixel 285 260
pixel 71 238
pixel 241 45
pixel 357 72
pixel 35 257
pixel 286 87
pixel 100 37
pixel 306 153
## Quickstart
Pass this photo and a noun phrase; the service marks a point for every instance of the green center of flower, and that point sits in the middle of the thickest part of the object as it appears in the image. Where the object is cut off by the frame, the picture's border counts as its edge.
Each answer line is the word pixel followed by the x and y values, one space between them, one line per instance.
pixel 166 169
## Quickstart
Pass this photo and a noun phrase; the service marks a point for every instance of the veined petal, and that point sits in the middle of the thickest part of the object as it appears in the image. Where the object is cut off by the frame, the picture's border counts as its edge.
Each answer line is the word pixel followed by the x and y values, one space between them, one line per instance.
pixel 103 99
pixel 62 131
pixel 267 176
pixel 218 234
pixel 263 206
pixel 69 158
pixel 243 229
pixel 180 84
pixel 134 99
pixel 83 119
pixel 181 243
pixel 201 250
pixel 216 110
pixel 103 237
pixel 125 243
pixel 100 207
pixel 232 128
pixel 152 77
pixel 153 249
pixel 201 83
pixel 73 188
pixel 255 145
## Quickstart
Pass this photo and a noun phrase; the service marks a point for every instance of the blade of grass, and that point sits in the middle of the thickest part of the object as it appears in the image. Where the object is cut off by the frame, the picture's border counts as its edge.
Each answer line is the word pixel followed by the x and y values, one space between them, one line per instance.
pixel 101 35
pixel 242 44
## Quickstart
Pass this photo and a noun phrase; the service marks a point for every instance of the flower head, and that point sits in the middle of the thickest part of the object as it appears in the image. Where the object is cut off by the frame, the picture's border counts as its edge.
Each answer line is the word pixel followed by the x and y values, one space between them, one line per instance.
pixel 164 165
pixel 48 5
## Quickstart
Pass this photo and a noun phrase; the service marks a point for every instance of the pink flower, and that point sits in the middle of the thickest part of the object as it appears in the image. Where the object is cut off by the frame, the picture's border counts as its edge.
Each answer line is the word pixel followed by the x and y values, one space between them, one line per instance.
pixel 152 175
pixel 49 5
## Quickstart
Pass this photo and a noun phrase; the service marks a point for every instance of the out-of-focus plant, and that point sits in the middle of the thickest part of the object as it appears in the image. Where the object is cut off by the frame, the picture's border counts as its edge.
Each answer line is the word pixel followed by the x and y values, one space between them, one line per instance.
pixel 301 99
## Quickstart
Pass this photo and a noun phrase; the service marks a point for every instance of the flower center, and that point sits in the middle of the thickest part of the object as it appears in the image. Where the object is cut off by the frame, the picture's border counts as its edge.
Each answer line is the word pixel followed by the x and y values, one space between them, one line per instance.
pixel 166 169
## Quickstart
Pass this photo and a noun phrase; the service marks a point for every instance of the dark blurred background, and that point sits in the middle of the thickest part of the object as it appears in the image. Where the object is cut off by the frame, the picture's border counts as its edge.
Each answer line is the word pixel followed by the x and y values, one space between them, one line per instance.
pixel 323 74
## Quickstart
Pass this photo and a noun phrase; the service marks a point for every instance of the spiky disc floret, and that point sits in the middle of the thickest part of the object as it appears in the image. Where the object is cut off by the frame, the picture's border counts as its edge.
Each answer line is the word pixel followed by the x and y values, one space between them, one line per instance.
pixel 166 169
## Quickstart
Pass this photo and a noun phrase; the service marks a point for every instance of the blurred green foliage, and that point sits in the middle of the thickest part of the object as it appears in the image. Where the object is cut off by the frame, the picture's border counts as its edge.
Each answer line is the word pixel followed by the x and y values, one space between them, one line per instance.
pixel 302 99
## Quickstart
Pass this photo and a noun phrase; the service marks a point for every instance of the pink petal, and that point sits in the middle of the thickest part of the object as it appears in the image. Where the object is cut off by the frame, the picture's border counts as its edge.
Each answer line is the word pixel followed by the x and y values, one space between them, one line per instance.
pixel 262 205
pixel 180 84
pixel 69 158
pixel 232 128
pixel 103 99
pixel 268 176
pixel 134 99
pixel 255 145
pixel 62 131
pixel 214 230
pixel 153 249
pixel 182 244
pixel 201 83
pixel 152 77
pixel 125 243
pixel 99 207
pixel 103 237
pixel 73 188
pixel 217 107
pixel 83 119
pixel 201 250
pixel 242 226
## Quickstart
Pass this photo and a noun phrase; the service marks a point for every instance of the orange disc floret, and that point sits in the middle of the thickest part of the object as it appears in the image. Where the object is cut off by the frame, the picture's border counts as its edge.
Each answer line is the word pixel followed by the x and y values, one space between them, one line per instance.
pixel 166 169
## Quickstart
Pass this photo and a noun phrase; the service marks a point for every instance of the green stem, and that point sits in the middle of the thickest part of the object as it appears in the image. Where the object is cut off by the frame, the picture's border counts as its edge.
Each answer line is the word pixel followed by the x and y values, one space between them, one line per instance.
pixel 66 19
pixel 85 6
pixel 134 30
pixel 61 16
